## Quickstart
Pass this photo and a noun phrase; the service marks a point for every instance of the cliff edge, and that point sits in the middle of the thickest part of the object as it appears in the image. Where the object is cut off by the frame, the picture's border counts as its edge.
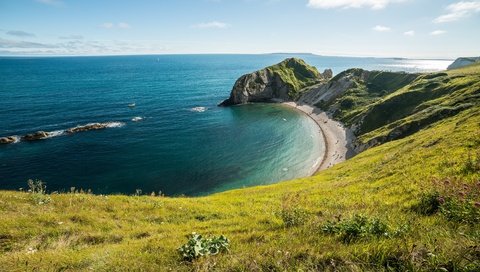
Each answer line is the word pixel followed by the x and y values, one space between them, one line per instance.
pixel 283 81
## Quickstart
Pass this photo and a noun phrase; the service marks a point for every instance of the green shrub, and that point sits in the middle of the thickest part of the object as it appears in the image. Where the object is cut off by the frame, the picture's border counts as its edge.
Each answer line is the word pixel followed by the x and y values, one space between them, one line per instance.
pixel 198 246
pixel 457 201
pixel 360 226
pixel 294 217
pixel 461 211
pixel 347 102
pixel 291 213
pixel 429 203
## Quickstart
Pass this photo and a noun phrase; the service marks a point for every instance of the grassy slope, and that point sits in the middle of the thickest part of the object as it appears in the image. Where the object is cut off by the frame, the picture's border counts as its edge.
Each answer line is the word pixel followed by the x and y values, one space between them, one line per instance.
pixel 369 87
pixel 429 98
pixel 388 106
pixel 296 74
pixel 80 231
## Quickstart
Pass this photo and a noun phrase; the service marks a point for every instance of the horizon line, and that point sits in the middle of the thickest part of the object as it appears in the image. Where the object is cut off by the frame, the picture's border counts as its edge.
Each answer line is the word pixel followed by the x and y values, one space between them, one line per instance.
pixel 186 54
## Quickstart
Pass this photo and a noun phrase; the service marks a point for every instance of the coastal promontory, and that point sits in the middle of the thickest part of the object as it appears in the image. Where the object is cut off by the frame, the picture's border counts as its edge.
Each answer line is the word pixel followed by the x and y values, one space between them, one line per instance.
pixel 283 81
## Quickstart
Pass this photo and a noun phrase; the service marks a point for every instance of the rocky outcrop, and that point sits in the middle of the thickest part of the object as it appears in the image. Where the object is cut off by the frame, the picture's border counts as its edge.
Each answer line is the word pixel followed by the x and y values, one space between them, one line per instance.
pixel 8 140
pixel 88 127
pixel 283 81
pixel 462 62
pixel 39 135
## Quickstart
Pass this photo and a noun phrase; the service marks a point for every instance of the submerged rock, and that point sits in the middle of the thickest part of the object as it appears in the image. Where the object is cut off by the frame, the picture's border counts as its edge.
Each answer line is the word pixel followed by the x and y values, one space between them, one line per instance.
pixel 8 140
pixel 39 135
pixel 283 81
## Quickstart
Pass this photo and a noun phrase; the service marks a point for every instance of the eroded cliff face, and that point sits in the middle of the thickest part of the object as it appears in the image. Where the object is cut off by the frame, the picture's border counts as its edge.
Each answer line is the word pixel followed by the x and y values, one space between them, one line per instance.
pixel 284 81
pixel 260 86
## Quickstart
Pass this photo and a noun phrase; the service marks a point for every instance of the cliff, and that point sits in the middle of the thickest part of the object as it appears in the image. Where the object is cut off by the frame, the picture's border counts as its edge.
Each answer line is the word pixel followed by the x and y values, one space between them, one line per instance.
pixel 283 81
pixel 462 62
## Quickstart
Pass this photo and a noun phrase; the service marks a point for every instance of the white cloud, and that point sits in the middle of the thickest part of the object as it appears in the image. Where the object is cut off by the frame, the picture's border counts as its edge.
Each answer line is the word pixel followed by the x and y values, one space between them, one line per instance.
pixel 458 11
pixel 381 28
pixel 437 32
pixel 20 33
pixel 110 25
pixel 71 37
pixel 373 4
pixel 4 43
pixel 409 33
pixel 213 24
pixel 124 25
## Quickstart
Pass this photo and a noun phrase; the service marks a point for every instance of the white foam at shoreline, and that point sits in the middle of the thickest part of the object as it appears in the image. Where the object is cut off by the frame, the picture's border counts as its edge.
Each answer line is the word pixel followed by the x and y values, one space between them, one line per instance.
pixel 55 133
pixel 198 109
pixel 17 139
pixel 114 124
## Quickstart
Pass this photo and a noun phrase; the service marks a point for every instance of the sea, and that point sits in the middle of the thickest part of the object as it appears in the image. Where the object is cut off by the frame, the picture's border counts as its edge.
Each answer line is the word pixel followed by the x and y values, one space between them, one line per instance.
pixel 165 132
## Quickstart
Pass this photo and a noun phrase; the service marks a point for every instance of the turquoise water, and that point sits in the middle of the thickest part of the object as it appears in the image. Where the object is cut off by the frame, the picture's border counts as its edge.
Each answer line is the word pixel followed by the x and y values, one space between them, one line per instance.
pixel 184 143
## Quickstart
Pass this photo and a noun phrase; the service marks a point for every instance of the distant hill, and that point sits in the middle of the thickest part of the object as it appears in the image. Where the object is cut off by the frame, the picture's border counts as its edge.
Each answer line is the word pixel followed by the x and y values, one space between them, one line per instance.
pixel 462 62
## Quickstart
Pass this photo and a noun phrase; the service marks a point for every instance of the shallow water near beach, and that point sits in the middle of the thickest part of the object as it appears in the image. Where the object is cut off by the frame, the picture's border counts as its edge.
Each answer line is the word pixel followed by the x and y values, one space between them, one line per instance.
pixel 169 135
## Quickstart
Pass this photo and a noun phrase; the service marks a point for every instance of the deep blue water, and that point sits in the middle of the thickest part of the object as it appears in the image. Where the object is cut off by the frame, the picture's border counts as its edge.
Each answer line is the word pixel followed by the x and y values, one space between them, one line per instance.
pixel 185 144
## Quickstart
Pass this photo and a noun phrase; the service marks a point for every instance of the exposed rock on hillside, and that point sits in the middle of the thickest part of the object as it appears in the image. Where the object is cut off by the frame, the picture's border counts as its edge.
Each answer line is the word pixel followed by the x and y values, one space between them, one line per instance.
pixel 283 81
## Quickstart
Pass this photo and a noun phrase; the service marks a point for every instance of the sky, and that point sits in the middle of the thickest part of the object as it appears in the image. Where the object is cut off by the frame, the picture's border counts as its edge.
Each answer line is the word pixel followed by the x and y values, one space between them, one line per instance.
pixel 377 28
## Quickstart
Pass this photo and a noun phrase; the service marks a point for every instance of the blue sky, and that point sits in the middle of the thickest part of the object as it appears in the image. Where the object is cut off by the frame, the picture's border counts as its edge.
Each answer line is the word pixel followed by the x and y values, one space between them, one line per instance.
pixel 382 28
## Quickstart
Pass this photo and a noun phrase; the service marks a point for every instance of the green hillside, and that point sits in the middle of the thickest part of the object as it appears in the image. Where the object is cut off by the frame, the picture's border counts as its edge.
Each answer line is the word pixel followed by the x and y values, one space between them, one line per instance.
pixel 296 74
pixel 409 204
pixel 385 106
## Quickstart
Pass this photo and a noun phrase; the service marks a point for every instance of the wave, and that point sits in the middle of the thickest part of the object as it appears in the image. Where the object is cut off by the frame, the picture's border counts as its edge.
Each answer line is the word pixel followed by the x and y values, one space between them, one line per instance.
pixel 115 124
pixel 136 119
pixel 199 109
pixel 55 133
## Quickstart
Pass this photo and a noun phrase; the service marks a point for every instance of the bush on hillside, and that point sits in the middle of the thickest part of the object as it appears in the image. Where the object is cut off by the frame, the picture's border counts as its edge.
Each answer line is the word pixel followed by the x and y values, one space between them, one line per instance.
pixel 198 246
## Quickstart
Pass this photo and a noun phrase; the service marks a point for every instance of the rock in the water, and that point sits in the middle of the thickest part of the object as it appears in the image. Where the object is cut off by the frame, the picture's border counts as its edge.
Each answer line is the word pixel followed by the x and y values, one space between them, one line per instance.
pixel 283 81
pixel 39 135
pixel 87 127
pixel 8 140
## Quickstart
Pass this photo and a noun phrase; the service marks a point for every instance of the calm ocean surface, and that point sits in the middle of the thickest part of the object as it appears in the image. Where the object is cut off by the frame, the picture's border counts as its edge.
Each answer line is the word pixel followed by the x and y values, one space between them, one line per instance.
pixel 185 144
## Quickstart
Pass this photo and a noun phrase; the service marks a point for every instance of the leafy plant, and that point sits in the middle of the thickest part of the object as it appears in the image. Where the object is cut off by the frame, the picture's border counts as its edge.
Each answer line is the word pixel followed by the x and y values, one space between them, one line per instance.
pixel 38 191
pixel 198 246
pixel 360 226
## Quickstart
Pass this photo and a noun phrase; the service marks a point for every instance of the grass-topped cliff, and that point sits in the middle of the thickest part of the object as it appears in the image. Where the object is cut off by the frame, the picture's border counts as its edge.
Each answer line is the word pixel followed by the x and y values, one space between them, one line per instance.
pixel 282 81
pixel 296 74
pixel 409 204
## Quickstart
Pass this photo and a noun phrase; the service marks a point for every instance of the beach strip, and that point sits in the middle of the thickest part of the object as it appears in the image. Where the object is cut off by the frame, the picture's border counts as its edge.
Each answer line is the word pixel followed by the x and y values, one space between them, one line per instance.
pixel 337 138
